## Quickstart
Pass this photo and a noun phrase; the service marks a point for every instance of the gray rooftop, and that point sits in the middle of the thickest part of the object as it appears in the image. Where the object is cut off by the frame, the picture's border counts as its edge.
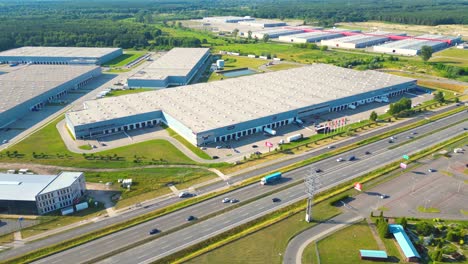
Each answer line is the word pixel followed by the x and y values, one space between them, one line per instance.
pixel 276 31
pixel 207 106
pixel 418 42
pixel 64 179
pixel 177 62
pixel 311 35
pixel 71 52
pixel 362 38
pixel 25 83
pixel 22 187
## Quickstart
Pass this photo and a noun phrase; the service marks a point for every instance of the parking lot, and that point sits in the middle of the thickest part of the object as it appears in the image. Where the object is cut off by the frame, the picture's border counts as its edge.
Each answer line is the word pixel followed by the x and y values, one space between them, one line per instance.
pixel 439 184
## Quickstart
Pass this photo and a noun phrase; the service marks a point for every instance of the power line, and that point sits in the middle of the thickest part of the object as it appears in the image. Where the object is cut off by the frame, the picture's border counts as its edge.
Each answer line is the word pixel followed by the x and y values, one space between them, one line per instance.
pixel 312 185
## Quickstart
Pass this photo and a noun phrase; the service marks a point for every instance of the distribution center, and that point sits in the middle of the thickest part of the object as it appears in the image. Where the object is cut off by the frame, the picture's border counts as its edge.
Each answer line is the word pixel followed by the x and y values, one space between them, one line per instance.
pixel 230 109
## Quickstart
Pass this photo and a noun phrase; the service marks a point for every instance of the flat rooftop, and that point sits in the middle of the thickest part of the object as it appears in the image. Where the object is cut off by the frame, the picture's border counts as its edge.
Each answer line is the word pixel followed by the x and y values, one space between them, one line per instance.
pixel 65 52
pixel 177 62
pixel 64 179
pixel 362 38
pixel 312 35
pixel 22 187
pixel 276 30
pixel 418 42
pixel 262 22
pixel 30 81
pixel 206 106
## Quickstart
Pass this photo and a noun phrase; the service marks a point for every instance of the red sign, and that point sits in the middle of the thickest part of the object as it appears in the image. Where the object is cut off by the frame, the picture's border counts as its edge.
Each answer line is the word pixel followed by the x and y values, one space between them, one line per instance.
pixel 358 186
pixel 268 144
pixel 403 165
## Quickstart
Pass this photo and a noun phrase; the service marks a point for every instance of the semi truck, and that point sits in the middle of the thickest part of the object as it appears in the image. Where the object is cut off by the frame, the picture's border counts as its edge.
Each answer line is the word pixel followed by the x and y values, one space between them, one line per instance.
pixel 269 131
pixel 270 178
pixel 294 137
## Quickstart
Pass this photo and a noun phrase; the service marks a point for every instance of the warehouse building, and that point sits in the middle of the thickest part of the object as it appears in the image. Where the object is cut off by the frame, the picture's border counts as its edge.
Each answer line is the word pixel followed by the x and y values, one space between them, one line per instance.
pixel 234 108
pixel 274 32
pixel 360 40
pixel 413 46
pixel 60 55
pixel 40 194
pixel 310 37
pixel 177 67
pixel 30 87
pixel 262 23
pixel 227 19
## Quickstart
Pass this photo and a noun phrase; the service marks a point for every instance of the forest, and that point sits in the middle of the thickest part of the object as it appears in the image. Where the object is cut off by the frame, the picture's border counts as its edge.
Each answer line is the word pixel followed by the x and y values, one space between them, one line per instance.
pixel 140 23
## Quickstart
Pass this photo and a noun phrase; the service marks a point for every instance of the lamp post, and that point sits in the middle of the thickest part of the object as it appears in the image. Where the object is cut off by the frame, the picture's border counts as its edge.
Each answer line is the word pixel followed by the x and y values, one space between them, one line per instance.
pixel 312 184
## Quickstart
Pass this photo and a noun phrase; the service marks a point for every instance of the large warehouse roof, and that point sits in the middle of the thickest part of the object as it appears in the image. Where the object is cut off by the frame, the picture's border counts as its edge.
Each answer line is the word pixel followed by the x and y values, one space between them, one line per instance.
pixel 418 42
pixel 177 62
pixel 71 52
pixel 22 187
pixel 25 83
pixel 208 106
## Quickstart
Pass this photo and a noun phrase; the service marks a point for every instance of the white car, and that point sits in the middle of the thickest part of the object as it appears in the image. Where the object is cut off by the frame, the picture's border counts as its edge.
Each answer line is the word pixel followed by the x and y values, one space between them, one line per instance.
pixel 226 200
pixel 339 159
pixel 218 147
pixel 5 141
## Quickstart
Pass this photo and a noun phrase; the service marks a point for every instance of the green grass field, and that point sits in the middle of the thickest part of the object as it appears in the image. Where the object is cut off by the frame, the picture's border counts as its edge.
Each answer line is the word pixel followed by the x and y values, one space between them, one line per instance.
pixel 453 56
pixel 200 153
pixel 50 149
pixel 151 183
pixel 124 59
pixel 266 245
pixel 343 246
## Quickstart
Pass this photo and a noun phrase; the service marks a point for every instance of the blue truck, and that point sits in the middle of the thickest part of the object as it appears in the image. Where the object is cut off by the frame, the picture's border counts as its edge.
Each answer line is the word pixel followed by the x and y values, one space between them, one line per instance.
pixel 271 178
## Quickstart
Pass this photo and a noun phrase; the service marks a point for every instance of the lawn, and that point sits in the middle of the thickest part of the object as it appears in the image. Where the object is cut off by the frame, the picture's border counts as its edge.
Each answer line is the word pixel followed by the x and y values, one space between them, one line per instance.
pixel 124 59
pixel 48 147
pixel 151 183
pixel 234 62
pixel 128 91
pixel 343 246
pixel 454 56
pixel 200 153
pixel 283 66
pixel 266 245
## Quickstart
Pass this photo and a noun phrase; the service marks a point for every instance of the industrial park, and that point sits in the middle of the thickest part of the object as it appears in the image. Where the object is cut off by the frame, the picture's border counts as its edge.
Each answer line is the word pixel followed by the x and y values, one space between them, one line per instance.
pixel 232 137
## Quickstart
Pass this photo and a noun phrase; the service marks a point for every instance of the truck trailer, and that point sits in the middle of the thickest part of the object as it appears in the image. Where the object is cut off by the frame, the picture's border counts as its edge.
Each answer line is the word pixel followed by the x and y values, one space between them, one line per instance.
pixel 271 178
pixel 269 131
pixel 295 137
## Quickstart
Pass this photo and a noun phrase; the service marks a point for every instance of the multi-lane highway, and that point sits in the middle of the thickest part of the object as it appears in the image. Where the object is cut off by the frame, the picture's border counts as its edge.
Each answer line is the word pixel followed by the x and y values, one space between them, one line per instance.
pixel 163 203
pixel 334 172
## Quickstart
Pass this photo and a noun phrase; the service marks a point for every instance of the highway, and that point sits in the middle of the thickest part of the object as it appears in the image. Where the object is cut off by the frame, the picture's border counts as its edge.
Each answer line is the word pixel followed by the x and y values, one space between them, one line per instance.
pixel 334 172
pixel 163 203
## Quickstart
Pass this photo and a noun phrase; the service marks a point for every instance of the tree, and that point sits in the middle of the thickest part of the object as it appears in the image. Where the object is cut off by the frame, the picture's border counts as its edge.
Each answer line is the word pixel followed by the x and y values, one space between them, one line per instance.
pixel 235 32
pixel 403 222
pixel 426 53
pixel 456 100
pixel 439 97
pixel 373 116
pixel 265 38
pixel 324 48
pixel 249 35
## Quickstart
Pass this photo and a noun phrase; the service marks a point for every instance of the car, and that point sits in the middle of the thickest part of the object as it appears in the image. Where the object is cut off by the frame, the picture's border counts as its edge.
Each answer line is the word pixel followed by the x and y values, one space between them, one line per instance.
pixel 254 146
pixel 383 196
pixel 226 200
pixel 203 148
pixel 215 157
pixel 276 200
pixel 228 146
pixel 390 141
pixel 234 201
pixel 330 147
pixel 318 170
pixel 409 137
pixel 339 159
pixel 5 141
pixel 431 170
pixel 191 218
pixel 367 152
pixel 258 153
pixel 351 158
pixel 218 147
pixel 154 231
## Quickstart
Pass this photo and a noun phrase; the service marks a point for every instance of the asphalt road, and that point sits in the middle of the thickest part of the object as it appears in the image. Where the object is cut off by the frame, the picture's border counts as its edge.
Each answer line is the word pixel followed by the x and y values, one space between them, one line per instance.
pixel 334 172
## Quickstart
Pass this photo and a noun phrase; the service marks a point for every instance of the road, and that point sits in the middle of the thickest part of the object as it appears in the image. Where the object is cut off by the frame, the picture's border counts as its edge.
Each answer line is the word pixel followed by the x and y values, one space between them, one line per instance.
pixel 163 203
pixel 334 173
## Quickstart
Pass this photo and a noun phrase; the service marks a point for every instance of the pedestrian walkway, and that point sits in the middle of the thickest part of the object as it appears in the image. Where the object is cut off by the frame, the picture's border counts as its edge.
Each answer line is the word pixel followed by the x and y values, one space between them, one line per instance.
pixel 174 189
pixel 219 173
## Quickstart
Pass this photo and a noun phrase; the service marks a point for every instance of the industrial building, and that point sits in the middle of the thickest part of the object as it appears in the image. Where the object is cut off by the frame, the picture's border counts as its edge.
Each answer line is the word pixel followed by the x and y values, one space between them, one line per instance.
pixel 274 32
pixel 234 108
pixel 40 194
pixel 310 37
pixel 60 55
pixel 413 46
pixel 177 67
pixel 227 19
pixel 262 23
pixel 360 40
pixel 30 87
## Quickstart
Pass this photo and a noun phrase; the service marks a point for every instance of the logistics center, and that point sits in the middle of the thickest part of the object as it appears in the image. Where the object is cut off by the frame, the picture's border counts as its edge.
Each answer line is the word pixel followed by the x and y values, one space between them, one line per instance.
pixel 228 110
pixel 60 55
pixel 177 67
pixel 30 87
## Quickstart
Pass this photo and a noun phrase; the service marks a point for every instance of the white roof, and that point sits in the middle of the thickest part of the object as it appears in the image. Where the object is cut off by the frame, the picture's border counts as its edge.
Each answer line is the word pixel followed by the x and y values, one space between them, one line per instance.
pixel 206 106
pixel 71 52
pixel 30 81
pixel 22 187
pixel 177 62
pixel 62 180
pixel 418 42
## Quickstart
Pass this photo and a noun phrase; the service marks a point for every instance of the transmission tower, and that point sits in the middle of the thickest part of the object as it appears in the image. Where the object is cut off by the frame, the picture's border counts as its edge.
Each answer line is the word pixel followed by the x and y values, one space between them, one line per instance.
pixel 312 184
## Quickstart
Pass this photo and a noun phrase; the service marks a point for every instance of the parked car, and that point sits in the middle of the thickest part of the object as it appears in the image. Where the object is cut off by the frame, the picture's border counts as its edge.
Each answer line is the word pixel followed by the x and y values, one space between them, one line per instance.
pixel 154 231
pixel 226 200
pixel 218 147
pixel 383 196
pixel 431 170
pixel 191 218
pixel 215 157
pixel 254 146
pixel 276 200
